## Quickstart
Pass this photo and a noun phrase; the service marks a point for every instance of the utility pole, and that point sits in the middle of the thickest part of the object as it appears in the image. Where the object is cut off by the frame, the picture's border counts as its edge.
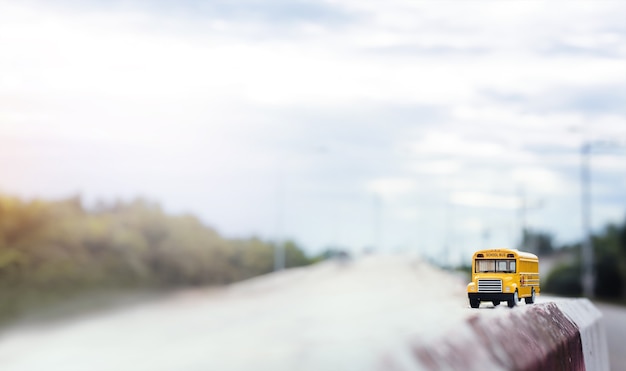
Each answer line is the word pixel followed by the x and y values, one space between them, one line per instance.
pixel 486 235
pixel 528 241
pixel 587 279
pixel 522 218
pixel 279 245
pixel 378 222
pixel 447 230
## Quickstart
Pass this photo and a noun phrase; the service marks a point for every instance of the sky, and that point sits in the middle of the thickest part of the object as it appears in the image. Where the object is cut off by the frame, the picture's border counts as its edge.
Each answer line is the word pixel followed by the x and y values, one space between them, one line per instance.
pixel 438 127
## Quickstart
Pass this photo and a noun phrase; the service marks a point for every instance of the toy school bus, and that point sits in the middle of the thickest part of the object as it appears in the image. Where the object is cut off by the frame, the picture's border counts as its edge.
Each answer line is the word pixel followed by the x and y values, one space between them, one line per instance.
pixel 503 275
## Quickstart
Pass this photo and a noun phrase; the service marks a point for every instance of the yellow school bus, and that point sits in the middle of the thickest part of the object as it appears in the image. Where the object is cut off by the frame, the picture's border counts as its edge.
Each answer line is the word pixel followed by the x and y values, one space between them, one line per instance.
pixel 503 275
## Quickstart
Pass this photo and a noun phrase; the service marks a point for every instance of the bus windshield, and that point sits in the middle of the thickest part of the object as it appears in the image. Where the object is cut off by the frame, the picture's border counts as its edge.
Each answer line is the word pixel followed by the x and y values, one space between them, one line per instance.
pixel 495 265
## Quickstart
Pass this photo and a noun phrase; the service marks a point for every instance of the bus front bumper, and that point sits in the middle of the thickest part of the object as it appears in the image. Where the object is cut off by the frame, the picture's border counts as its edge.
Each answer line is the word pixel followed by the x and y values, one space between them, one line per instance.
pixel 489 296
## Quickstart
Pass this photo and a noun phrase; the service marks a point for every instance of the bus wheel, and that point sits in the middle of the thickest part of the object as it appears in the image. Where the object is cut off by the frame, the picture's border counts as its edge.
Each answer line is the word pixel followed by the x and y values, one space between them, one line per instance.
pixel 474 303
pixel 496 303
pixel 513 300
pixel 531 299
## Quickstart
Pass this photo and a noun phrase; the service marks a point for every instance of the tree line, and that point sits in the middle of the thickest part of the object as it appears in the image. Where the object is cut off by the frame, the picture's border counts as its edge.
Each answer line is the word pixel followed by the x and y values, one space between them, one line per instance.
pixel 54 250
pixel 609 246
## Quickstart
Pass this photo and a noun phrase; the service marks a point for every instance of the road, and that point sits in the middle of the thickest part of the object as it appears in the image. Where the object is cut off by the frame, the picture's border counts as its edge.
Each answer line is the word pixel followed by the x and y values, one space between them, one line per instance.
pixel 614 319
pixel 332 316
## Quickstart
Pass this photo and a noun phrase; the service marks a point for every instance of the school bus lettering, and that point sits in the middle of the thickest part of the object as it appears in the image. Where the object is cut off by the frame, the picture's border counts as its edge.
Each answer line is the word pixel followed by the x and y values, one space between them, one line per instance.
pixel 503 275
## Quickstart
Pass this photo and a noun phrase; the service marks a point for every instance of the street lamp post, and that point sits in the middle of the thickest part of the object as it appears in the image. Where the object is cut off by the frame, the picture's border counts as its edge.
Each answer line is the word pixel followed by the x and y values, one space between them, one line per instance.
pixel 587 252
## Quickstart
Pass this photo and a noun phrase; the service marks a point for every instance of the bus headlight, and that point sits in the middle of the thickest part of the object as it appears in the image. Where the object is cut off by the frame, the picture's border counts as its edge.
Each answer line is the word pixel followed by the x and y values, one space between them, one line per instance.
pixel 507 289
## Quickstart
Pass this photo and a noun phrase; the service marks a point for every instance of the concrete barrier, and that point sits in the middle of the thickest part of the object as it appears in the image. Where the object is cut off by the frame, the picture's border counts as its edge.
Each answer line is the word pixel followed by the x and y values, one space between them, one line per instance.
pixel 588 320
pixel 562 335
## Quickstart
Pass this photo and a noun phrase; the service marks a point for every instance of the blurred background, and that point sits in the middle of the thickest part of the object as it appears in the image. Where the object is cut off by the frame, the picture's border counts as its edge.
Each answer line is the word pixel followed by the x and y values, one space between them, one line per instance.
pixel 154 145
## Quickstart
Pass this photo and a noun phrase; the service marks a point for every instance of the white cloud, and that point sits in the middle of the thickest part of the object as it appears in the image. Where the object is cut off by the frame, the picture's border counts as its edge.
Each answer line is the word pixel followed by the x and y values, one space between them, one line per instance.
pixel 610 161
pixel 472 225
pixel 538 179
pixel 451 144
pixel 391 186
pixel 486 200
pixel 441 167
pixel 208 102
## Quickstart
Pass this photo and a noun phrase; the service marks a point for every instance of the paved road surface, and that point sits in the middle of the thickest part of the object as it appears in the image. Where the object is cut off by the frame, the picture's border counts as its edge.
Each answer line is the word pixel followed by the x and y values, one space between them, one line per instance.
pixel 327 317
pixel 614 318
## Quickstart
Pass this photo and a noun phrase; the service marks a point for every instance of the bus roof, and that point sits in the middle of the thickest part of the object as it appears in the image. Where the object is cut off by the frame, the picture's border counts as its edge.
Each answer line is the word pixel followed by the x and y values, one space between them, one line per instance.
pixel 516 252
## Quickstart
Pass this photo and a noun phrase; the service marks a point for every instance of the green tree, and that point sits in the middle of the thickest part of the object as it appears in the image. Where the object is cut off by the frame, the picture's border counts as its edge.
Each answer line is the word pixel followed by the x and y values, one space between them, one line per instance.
pixel 609 266
pixel 52 250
